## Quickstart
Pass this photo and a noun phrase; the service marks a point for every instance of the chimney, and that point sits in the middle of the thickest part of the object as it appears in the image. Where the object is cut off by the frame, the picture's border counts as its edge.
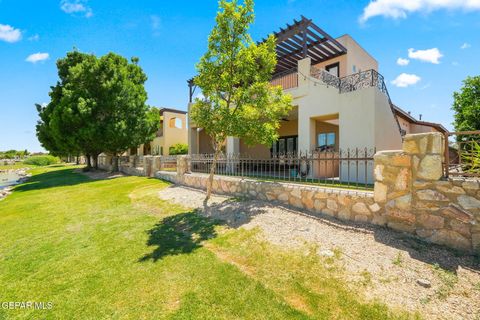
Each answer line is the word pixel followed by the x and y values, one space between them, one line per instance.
pixel 420 117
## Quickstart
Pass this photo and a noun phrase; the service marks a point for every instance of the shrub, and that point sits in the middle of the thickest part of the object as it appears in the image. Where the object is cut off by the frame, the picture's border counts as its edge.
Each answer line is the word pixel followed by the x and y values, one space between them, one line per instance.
pixel 179 148
pixel 41 160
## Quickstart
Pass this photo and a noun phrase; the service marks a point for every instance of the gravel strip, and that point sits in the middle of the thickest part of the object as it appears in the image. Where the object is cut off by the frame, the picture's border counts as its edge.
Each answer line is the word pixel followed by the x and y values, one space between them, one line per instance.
pixel 394 268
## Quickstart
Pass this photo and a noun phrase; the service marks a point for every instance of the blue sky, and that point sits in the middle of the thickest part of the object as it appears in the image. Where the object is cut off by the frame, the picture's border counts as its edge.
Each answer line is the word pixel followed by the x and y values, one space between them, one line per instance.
pixel 169 37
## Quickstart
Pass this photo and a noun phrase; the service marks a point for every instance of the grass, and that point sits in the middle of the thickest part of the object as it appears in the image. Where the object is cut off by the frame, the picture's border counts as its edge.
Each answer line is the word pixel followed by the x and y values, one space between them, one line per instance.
pixel 398 261
pixel 112 249
pixel 16 165
pixel 448 278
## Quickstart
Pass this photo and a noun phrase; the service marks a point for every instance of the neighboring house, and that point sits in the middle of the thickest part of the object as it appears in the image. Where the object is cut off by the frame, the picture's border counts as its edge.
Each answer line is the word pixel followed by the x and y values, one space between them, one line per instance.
pixel 340 100
pixel 173 130
pixel 409 124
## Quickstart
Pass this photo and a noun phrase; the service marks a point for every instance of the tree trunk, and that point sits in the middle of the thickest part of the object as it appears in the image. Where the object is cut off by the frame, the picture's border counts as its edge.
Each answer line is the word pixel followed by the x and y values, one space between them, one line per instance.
pixel 77 160
pixel 218 149
pixel 89 163
pixel 115 163
pixel 95 161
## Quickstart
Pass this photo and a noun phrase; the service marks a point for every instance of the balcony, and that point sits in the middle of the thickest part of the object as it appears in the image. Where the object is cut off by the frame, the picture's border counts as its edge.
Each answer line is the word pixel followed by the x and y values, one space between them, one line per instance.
pixel 286 79
pixel 353 82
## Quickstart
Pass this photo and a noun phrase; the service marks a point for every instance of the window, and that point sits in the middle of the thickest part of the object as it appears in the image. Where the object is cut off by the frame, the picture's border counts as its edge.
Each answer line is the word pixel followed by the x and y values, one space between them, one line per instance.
pixel 285 145
pixel 175 123
pixel 354 69
pixel 326 141
pixel 333 69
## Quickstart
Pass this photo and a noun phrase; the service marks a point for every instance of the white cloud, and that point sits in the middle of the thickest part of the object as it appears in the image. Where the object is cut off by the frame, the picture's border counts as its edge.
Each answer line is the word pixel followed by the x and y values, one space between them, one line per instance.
pixel 404 80
pixel 35 37
pixel 397 9
pixel 155 23
pixel 403 62
pixel 36 57
pixel 465 46
pixel 9 33
pixel 429 55
pixel 76 6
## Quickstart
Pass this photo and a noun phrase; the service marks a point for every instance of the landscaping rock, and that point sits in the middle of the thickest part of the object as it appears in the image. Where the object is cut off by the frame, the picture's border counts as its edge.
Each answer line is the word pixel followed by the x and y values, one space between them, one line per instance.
pixel 424 283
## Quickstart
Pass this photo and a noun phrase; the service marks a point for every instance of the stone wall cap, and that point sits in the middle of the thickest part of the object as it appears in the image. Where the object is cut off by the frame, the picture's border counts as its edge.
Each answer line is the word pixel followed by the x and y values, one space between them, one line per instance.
pixel 421 135
pixel 314 188
pixel 389 153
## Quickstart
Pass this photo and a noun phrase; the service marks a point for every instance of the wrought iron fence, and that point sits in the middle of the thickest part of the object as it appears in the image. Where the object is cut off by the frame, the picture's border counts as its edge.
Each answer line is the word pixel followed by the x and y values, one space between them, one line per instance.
pixel 343 168
pixel 326 77
pixel 462 154
pixel 287 79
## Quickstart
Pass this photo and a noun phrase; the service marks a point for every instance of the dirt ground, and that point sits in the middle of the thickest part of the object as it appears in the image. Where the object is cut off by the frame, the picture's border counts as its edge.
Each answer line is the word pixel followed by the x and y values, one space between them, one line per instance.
pixel 386 265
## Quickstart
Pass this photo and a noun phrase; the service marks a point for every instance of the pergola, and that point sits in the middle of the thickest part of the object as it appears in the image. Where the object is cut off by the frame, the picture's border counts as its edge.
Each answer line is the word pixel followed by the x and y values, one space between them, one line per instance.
pixel 300 40
pixel 304 39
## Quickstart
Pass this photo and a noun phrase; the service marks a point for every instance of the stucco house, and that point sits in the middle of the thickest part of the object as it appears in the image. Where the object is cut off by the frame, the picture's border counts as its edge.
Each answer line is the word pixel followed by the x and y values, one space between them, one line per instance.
pixel 340 100
pixel 173 130
pixel 409 124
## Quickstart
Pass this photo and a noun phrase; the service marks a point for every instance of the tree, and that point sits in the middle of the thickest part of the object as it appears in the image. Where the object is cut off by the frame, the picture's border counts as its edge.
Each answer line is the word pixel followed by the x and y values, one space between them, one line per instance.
pixel 234 77
pixel 466 105
pixel 69 123
pixel 97 105
pixel 127 121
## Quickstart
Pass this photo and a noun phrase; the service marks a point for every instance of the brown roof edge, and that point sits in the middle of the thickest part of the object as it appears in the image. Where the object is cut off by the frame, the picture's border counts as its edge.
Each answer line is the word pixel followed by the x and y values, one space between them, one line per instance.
pixel 172 110
pixel 405 114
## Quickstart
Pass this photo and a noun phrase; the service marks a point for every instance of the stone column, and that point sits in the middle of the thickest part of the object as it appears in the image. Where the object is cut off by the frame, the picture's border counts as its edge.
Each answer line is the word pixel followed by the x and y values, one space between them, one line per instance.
pixel 148 166
pixel 182 166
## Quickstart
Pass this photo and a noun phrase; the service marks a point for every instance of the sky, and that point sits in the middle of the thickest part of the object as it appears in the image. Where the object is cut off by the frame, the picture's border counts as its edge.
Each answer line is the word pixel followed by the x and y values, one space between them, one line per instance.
pixel 425 48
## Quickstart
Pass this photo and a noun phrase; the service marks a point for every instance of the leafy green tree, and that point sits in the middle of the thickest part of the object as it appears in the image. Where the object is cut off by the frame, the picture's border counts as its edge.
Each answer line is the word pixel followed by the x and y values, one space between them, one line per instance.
pixel 234 77
pixel 127 121
pixel 466 105
pixel 67 124
pixel 98 105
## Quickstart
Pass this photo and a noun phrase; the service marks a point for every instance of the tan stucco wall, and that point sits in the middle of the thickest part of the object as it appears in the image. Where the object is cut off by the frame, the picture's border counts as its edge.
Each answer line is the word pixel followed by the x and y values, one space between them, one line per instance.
pixel 204 143
pixel 342 60
pixel 173 135
pixel 357 56
pixel 418 128
pixel 404 124
pixel 170 135
pixel 365 117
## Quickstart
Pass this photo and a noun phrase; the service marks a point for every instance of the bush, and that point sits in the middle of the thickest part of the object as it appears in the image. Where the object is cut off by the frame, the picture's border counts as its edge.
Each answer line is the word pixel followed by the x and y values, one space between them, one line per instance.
pixel 179 148
pixel 41 160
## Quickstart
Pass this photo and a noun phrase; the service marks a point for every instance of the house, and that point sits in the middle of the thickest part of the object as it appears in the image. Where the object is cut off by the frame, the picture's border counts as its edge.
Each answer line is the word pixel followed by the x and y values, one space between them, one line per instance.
pixel 173 130
pixel 341 102
pixel 409 124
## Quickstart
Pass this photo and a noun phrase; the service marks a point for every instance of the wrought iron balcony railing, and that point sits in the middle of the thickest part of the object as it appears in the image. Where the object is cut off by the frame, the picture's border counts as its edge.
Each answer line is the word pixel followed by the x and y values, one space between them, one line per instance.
pixel 365 79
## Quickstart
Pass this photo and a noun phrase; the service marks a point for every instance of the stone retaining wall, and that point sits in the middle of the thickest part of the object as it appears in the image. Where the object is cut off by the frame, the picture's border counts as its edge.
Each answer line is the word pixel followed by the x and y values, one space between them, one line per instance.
pixel 416 199
pixel 339 203
pixel 410 194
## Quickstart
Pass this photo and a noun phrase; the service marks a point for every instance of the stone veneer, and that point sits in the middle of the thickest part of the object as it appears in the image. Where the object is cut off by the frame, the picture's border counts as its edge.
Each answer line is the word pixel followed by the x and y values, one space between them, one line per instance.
pixel 410 194
pixel 416 199
pixel 340 203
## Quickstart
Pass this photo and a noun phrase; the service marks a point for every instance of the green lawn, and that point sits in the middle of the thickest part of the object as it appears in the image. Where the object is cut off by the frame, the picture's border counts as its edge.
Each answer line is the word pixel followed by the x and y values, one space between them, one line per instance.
pixel 16 165
pixel 111 249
